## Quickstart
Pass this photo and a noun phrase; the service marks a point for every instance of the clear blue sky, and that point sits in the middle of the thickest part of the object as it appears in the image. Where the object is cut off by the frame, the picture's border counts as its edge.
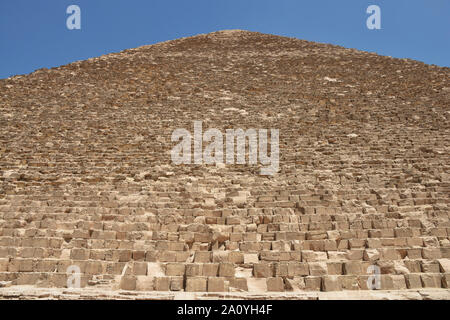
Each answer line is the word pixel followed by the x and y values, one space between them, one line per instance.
pixel 33 33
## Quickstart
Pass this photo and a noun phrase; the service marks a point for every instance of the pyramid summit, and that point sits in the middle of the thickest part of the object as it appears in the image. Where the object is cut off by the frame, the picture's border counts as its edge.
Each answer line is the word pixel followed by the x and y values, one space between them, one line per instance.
pixel 91 198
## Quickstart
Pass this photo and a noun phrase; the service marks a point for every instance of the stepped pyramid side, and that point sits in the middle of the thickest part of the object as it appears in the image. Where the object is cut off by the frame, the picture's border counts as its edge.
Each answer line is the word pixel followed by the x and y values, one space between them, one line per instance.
pixel 86 177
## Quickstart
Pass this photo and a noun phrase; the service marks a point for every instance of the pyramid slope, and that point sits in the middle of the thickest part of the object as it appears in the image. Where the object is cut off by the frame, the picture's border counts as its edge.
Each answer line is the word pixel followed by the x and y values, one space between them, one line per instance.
pixel 86 176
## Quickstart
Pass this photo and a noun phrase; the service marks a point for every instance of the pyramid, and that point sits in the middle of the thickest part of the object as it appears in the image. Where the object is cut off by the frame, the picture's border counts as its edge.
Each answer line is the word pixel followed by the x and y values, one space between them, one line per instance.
pixel 91 199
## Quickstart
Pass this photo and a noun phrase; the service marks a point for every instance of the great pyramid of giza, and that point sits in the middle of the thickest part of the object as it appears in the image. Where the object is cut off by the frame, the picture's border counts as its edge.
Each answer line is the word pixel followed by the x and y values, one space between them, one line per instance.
pixel 87 182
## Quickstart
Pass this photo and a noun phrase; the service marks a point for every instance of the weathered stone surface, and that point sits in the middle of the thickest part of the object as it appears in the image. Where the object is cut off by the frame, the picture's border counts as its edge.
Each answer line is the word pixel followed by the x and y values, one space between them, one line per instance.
pixel 128 283
pixel 216 284
pixel 331 283
pixel 196 284
pixel 275 284
pixel 413 281
pixel 87 180
pixel 162 283
pixel 444 265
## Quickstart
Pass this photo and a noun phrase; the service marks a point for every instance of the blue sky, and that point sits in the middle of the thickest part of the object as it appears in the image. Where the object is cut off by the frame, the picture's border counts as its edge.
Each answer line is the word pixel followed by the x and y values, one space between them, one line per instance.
pixel 33 34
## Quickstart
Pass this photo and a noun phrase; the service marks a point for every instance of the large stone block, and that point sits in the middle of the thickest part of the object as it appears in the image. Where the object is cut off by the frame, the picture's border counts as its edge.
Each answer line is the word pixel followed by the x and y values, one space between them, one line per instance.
pixel 128 283
pixel 413 281
pixel 431 280
pixel 275 284
pixel 313 283
pixel 262 270
pixel 331 283
pixel 162 283
pixel 216 284
pixel 197 284
pixel 175 269
pixel 226 269
pixel 444 265
pixel 210 269
pixel 298 269
pixel 318 268
pixel 203 256
pixel 251 258
pixel 313 256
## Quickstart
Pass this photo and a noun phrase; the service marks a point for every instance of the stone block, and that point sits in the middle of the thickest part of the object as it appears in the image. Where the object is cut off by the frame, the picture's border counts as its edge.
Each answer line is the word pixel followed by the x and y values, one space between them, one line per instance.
pixel 446 280
pixel 197 284
pixel 176 283
pixel 4 265
pixel 251 258
pixel 194 269
pixel 313 283
pixel 413 281
pixel 203 256
pixel 175 269
pixel 210 269
pixel 138 255
pixel 431 280
pixel 26 265
pixel 79 254
pixel 238 284
pixel 275 284
pixel 353 268
pixel 295 284
pixel 430 267
pixel 431 253
pixel 125 255
pixel 398 282
pixel 216 284
pixel 313 256
pixel 262 270
pixel 226 269
pixel 349 282
pixel 128 283
pixel 318 268
pixel 444 265
pixel 371 255
pixel 162 283
pixel 331 283
pixel 298 269
pixel 335 268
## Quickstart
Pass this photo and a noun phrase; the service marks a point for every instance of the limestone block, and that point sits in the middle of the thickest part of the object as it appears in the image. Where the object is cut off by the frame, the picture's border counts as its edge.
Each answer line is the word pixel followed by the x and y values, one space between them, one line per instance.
pixel 251 258
pixel 210 269
pixel 331 283
pixel 444 265
pixel 431 280
pixel 349 282
pixel 176 283
pixel 446 280
pixel 262 270
pixel 413 281
pixel 275 284
pixel 296 269
pixel 312 256
pixel 353 268
pixel 203 256
pixel 175 269
pixel 238 284
pixel 79 254
pixel 371 255
pixel 216 284
pixel 162 283
pixel 431 253
pixel 128 283
pixel 313 283
pixel 226 269
pixel 318 268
